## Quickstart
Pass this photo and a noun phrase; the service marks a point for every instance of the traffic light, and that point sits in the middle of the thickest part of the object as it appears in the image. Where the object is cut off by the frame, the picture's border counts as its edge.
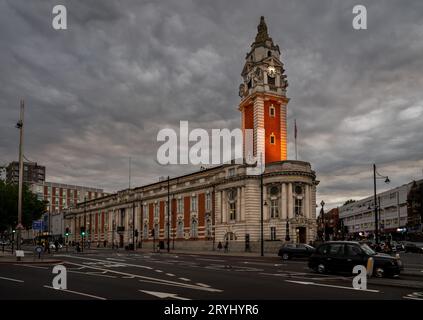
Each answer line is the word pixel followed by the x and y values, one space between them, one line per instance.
pixel 67 232
pixel 13 231
pixel 82 231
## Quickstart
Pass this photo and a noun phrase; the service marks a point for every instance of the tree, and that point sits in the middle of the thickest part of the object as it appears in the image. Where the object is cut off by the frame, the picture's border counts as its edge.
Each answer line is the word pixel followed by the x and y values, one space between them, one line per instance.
pixel 32 208
pixel 349 201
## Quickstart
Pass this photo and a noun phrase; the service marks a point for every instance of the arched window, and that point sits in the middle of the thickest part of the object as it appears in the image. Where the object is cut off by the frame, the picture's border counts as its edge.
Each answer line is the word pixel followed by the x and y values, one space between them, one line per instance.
pixel 145 232
pixel 194 228
pixel 180 233
pixel 272 138
pixel 208 228
pixel 232 203
pixel 269 53
pixel 272 111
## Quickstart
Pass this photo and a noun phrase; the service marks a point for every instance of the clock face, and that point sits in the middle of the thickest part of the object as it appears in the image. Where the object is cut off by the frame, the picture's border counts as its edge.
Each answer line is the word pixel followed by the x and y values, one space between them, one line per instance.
pixel 271 71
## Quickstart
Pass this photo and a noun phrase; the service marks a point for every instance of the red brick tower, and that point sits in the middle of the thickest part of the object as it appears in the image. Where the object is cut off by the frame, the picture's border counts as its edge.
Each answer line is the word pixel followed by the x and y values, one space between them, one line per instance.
pixel 263 98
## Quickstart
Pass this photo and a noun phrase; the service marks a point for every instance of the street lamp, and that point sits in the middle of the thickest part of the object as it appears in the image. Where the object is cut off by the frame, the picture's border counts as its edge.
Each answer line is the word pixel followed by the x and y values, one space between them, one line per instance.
pixel 322 212
pixel 287 238
pixel 376 175
pixel 261 208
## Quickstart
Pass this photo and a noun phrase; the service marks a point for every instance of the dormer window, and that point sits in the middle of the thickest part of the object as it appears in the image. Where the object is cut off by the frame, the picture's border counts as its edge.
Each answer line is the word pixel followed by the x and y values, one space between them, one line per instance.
pixel 272 111
pixel 272 138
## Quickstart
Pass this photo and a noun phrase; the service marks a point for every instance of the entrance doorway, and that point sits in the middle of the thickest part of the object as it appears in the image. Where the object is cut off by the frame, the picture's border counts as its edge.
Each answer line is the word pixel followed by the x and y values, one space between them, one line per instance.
pixel 301 234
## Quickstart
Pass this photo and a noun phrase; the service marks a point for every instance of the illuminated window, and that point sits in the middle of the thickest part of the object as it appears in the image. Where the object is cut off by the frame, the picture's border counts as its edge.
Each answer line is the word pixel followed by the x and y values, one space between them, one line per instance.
pixel 272 111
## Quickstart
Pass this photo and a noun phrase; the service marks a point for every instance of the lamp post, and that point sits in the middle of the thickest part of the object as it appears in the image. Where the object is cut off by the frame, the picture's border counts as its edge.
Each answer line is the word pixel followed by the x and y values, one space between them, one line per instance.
pixel 322 212
pixel 287 238
pixel 168 214
pixel 133 224
pixel 376 175
pixel 261 208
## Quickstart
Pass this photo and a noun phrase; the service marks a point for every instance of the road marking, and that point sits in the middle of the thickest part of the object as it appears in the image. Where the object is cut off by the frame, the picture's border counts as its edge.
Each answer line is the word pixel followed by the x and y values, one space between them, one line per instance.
pixel 202 285
pixel 264 264
pixel 164 295
pixel 153 280
pixel 217 260
pixel 329 285
pixel 108 262
pixel 119 260
pixel 92 274
pixel 170 274
pixel 184 279
pixel 29 266
pixel 10 279
pixel 158 271
pixel 76 292
pixel 414 296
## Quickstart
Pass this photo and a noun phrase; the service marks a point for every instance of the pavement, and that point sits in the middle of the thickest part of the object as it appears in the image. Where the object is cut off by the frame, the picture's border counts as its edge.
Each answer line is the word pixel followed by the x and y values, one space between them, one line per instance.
pixel 105 274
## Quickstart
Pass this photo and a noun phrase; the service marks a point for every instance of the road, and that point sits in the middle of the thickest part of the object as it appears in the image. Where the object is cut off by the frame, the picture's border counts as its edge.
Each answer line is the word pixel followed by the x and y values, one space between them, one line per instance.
pixel 109 275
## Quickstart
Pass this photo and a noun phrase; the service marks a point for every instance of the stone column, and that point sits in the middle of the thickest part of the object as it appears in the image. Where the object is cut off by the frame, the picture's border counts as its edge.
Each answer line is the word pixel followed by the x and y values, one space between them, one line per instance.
pixel 238 204
pixel 242 203
pixel 290 202
pixel 266 209
pixel 224 207
pixel 306 204
pixel 284 212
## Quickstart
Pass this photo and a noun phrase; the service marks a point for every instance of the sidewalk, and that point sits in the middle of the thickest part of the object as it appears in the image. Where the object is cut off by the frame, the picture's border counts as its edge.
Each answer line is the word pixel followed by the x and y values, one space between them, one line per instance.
pixel 29 258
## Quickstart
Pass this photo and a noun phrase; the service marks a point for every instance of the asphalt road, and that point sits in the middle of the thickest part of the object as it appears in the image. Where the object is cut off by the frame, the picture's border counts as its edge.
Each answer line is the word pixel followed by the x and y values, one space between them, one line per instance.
pixel 110 275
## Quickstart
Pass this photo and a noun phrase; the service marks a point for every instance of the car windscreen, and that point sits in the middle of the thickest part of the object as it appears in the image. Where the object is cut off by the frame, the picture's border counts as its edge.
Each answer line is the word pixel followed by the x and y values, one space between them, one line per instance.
pixel 367 249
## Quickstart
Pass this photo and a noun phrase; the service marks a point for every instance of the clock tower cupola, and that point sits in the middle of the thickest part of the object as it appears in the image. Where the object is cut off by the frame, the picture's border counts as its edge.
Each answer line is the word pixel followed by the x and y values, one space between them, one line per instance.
pixel 263 98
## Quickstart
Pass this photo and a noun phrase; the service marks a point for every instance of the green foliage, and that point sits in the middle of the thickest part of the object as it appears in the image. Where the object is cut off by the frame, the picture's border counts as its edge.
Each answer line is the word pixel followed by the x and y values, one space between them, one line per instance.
pixel 32 208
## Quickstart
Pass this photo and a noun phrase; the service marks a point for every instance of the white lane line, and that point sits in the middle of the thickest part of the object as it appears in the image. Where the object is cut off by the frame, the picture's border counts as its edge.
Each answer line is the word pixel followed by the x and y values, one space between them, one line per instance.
pixel 329 285
pixel 164 295
pixel 184 279
pixel 202 285
pixel 264 264
pixel 158 271
pixel 170 274
pixel 29 266
pixel 217 260
pixel 412 298
pixel 92 274
pixel 113 259
pixel 76 292
pixel 153 280
pixel 10 279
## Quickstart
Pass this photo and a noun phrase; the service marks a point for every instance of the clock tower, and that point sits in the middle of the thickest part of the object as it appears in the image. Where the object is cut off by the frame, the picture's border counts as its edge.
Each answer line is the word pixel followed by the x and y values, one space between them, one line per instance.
pixel 263 98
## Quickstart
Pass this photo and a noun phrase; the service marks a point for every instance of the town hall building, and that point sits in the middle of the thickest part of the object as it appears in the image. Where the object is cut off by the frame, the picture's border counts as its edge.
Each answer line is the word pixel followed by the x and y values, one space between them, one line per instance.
pixel 224 203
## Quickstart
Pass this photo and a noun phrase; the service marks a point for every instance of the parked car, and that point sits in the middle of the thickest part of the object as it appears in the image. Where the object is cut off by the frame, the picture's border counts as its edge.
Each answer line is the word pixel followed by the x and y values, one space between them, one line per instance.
pixel 299 250
pixel 343 256
pixel 53 246
pixel 413 247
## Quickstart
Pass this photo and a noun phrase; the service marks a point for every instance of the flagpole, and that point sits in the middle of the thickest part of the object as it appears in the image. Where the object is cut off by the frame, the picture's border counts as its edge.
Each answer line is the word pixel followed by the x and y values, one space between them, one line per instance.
pixel 296 154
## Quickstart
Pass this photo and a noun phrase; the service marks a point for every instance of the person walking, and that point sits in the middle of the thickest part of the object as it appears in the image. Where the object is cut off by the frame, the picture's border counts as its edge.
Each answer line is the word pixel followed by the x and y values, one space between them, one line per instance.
pixel 226 246
pixel 219 246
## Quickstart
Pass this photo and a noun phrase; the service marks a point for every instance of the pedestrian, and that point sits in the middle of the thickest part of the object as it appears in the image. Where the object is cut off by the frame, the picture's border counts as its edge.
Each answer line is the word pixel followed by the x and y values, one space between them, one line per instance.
pixel 56 245
pixel 219 246
pixel 78 248
pixel 226 246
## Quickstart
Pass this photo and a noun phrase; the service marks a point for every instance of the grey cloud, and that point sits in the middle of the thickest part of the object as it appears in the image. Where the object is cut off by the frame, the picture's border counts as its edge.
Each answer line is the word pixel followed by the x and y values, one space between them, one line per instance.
pixel 98 93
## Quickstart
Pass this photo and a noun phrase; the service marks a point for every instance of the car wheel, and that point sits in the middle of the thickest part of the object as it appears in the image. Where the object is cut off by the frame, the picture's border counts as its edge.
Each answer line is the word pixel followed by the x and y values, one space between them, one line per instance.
pixel 285 256
pixel 321 268
pixel 379 272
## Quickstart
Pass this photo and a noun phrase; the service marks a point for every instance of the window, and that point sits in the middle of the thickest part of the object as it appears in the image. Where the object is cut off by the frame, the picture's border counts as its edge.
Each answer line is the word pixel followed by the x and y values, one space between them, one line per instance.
pixel 271 81
pixel 336 249
pixel 156 231
pixel 145 232
pixel 208 201
pixel 274 208
pixel 272 111
pixel 165 208
pixel 298 207
pixel 156 210
pixel 353 250
pixel 232 211
pixel 193 203
pixel 194 228
pixel 272 233
pixel 145 212
pixel 180 229
pixel 180 206
pixel 272 139
pixel 208 228
pixel 231 172
pixel 269 53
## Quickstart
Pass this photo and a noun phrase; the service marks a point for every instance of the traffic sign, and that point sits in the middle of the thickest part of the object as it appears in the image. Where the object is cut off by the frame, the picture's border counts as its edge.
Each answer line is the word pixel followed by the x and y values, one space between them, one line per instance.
pixel 38 225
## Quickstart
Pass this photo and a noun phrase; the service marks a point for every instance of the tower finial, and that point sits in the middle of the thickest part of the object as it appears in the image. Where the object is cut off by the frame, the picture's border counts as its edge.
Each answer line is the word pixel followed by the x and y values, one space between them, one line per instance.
pixel 262 34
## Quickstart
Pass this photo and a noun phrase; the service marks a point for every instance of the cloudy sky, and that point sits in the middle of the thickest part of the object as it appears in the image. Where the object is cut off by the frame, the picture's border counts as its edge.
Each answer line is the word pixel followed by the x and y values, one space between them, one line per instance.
pixel 99 92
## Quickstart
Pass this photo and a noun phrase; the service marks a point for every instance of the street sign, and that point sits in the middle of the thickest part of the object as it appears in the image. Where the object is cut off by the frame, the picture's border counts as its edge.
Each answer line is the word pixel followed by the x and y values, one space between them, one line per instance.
pixel 38 225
